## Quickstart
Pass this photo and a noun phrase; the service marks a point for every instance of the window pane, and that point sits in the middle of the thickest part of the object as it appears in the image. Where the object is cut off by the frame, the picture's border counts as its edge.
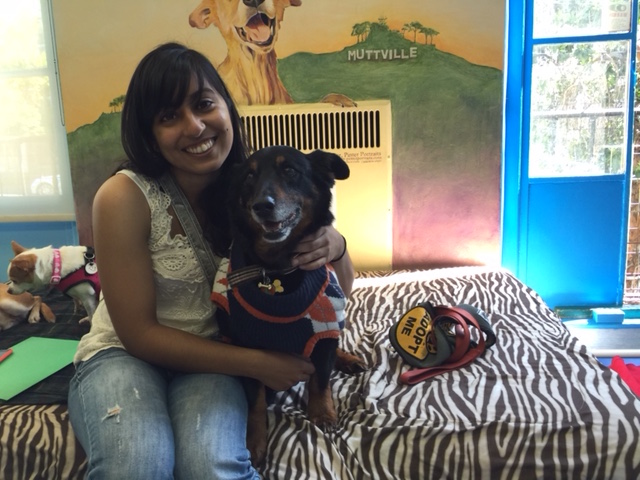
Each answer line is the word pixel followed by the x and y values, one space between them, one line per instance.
pixel 28 154
pixel 22 36
pixel 578 109
pixel 564 18
pixel 34 165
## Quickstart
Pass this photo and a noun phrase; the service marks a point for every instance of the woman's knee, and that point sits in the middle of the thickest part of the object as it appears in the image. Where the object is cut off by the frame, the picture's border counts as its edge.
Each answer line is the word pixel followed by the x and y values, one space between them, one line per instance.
pixel 220 454
pixel 209 414
pixel 126 442
pixel 118 411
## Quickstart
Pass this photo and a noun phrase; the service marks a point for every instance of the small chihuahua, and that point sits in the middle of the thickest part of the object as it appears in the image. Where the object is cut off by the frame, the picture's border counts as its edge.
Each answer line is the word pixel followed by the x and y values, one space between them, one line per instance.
pixel 70 269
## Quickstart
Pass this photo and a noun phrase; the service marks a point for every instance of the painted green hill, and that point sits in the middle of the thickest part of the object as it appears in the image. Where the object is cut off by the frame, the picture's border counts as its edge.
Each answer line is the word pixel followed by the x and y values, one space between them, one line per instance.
pixel 96 147
pixel 441 103
pixel 94 152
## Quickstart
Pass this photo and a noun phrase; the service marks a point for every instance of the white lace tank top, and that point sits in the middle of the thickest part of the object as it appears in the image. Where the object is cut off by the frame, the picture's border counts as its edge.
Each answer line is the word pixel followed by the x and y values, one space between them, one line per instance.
pixel 182 291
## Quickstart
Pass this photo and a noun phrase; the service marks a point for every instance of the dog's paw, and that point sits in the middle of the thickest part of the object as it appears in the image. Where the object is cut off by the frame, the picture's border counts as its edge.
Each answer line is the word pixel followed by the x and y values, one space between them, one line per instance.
pixel 348 363
pixel 321 411
pixel 339 100
pixel 34 316
pixel 325 421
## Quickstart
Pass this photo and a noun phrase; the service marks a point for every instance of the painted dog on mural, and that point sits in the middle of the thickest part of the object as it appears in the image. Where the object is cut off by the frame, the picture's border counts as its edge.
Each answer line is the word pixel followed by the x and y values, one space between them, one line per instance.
pixel 250 30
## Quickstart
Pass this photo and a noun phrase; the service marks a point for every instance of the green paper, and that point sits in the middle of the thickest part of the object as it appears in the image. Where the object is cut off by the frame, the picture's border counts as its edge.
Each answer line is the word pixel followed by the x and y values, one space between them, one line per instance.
pixel 33 360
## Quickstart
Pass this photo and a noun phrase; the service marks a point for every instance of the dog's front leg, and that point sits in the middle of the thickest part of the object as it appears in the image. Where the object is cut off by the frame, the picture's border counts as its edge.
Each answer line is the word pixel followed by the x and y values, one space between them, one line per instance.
pixel 90 304
pixel 46 312
pixel 257 422
pixel 84 297
pixel 40 308
pixel 321 410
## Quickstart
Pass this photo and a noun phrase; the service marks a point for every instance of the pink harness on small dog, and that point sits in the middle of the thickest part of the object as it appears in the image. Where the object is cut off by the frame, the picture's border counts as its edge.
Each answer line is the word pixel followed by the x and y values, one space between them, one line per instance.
pixel 87 274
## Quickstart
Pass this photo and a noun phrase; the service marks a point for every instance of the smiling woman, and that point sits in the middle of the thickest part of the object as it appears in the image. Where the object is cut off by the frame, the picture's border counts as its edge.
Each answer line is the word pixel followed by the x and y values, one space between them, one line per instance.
pixel 35 179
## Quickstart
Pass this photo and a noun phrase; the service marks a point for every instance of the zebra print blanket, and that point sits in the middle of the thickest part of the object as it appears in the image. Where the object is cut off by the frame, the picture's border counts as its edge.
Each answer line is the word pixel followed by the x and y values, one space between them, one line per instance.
pixel 536 405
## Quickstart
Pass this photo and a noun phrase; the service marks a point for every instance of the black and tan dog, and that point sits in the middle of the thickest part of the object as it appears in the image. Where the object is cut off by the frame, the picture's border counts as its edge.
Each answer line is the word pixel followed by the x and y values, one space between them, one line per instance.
pixel 279 196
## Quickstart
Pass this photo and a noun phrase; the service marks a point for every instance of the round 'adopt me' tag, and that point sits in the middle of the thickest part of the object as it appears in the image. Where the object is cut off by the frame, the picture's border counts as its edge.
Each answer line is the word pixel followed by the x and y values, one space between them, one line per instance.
pixel 413 337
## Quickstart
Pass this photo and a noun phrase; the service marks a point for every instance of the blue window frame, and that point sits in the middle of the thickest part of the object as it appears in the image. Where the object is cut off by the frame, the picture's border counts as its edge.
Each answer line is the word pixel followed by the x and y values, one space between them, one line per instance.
pixel 603 173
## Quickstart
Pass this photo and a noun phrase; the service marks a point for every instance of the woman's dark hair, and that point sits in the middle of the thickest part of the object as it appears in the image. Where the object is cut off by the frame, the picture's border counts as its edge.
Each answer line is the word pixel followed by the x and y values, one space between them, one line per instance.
pixel 161 82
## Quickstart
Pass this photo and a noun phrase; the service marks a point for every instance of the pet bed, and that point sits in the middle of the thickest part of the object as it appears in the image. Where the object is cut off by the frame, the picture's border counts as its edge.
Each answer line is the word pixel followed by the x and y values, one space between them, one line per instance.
pixel 535 405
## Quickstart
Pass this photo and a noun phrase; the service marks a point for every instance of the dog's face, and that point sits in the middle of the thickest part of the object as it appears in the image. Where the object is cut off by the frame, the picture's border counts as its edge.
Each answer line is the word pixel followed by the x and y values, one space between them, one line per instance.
pixel 22 270
pixel 280 195
pixel 253 24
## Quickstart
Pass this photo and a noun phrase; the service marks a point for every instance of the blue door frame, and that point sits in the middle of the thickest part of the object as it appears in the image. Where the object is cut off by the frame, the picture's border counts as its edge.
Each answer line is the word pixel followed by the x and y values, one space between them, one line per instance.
pixel 564 237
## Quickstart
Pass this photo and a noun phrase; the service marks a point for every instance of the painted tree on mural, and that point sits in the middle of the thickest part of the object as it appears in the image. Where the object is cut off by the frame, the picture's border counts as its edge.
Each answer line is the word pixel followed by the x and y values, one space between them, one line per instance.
pixel 116 104
pixel 428 33
pixel 416 28
pixel 363 30
pixel 367 30
pixel 360 31
pixel 413 27
pixel 381 27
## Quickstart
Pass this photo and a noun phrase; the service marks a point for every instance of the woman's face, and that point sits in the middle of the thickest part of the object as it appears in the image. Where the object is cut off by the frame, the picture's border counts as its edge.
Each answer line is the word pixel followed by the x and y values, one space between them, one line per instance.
pixel 195 138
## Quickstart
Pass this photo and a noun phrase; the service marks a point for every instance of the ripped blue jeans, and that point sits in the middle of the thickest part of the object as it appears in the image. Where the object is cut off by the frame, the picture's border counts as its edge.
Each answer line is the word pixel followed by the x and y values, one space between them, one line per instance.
pixel 138 421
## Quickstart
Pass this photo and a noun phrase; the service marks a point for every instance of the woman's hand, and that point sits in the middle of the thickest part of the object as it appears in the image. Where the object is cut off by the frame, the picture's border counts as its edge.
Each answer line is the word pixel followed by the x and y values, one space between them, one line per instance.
pixel 325 246
pixel 318 249
pixel 281 371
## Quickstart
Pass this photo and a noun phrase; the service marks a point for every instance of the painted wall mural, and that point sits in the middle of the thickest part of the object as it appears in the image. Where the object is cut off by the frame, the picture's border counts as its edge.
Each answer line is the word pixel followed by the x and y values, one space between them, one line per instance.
pixel 438 64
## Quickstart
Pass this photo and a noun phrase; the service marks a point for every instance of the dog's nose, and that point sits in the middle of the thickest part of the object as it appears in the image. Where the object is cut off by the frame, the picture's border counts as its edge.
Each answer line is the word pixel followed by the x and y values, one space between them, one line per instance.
pixel 252 3
pixel 264 206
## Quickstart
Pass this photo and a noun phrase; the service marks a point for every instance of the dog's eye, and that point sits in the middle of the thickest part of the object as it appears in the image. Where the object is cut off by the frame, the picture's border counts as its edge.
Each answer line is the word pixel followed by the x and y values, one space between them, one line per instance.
pixel 290 172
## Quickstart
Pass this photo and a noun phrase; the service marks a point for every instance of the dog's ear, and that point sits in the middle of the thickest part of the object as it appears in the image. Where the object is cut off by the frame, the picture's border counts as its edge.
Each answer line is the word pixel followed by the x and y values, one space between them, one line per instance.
pixel 204 15
pixel 17 248
pixel 334 163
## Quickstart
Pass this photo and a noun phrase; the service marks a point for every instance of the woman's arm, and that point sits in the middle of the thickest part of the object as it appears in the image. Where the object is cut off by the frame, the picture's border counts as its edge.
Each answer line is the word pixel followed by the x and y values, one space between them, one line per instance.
pixel 327 245
pixel 121 225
